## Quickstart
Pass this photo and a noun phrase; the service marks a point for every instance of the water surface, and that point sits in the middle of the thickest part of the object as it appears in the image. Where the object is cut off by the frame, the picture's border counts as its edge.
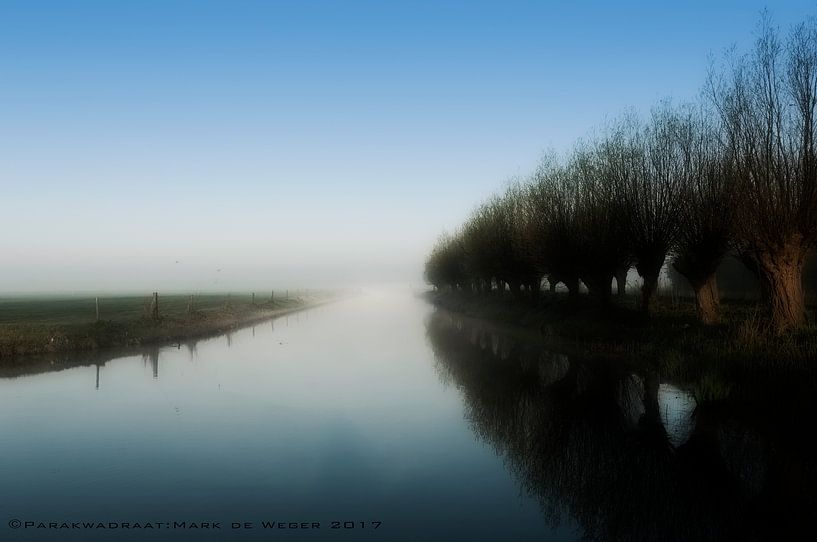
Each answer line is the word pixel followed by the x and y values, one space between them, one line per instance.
pixel 332 414
pixel 380 411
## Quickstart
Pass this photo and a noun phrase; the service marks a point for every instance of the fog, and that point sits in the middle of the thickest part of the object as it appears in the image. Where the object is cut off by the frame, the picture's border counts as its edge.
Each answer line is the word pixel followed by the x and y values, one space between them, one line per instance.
pixel 217 245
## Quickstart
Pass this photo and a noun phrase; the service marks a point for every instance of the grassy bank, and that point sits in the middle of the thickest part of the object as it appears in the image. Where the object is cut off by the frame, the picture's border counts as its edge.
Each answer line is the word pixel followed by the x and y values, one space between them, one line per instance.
pixel 43 325
pixel 672 342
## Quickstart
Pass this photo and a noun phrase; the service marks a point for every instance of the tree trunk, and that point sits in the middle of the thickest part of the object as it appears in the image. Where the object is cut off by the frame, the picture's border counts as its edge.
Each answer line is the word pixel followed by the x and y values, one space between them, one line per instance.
pixel 781 276
pixel 699 268
pixel 649 270
pixel 515 287
pixel 572 284
pixel 621 281
pixel 535 288
pixel 600 287
pixel 649 292
pixel 705 286
pixel 707 300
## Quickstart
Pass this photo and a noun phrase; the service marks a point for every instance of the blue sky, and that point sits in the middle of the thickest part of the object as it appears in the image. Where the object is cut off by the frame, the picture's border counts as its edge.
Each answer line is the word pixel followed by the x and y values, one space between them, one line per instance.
pixel 305 143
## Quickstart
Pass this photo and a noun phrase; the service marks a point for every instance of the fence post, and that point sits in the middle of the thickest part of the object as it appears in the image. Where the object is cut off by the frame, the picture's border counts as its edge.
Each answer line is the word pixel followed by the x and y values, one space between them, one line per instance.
pixel 253 299
pixel 272 296
pixel 96 301
pixel 190 305
pixel 154 307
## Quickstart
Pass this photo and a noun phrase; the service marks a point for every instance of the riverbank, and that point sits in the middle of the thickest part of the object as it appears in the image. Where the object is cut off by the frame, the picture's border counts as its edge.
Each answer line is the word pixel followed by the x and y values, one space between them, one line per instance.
pixel 672 341
pixel 27 338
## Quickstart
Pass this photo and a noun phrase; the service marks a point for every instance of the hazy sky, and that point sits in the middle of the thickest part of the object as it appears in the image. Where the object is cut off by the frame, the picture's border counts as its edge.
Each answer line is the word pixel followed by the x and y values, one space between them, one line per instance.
pixel 304 143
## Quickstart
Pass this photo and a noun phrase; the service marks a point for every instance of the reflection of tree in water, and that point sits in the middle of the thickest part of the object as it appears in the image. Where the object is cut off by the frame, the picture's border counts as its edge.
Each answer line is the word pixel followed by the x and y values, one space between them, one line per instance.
pixel 591 443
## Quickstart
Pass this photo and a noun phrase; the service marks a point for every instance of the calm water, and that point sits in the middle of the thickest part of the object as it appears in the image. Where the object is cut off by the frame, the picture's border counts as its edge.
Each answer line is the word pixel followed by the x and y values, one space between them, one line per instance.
pixel 381 411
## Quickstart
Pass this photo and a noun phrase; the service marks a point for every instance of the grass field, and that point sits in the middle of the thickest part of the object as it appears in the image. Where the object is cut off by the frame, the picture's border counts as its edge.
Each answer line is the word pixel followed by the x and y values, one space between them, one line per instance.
pixel 68 310
pixel 52 324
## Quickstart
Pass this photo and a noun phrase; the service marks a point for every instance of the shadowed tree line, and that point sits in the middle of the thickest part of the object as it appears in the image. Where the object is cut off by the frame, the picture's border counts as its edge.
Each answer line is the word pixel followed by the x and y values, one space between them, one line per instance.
pixel 686 186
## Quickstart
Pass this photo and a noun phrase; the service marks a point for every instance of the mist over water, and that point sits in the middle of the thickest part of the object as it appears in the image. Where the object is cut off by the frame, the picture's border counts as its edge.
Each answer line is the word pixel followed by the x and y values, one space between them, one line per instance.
pixel 334 413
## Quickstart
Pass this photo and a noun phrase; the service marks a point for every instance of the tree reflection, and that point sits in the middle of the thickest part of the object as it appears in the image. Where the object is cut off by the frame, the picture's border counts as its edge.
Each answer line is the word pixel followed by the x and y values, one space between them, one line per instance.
pixel 602 447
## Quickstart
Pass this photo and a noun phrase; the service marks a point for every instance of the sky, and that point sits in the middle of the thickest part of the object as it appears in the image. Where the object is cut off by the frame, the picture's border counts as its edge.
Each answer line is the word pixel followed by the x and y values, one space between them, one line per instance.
pixel 221 145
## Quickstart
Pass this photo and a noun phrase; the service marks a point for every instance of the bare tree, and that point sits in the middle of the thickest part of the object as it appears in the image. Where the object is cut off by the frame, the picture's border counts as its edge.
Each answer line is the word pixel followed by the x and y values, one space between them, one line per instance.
pixel 767 104
pixel 708 213
pixel 445 266
pixel 478 247
pixel 601 219
pixel 522 267
pixel 552 198
pixel 488 244
pixel 645 165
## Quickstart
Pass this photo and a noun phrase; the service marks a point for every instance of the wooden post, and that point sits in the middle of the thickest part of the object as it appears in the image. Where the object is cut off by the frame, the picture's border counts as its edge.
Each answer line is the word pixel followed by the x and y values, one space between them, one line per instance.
pixel 96 300
pixel 190 305
pixel 154 307
pixel 287 295
pixel 253 299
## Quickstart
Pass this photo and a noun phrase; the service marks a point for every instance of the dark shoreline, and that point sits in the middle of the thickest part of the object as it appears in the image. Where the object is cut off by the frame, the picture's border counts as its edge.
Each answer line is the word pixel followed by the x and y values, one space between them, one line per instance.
pixel 672 341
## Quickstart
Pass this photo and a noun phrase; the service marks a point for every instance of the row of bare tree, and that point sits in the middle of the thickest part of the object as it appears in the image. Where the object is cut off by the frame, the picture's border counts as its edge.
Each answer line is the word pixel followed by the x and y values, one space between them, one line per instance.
pixel 735 172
